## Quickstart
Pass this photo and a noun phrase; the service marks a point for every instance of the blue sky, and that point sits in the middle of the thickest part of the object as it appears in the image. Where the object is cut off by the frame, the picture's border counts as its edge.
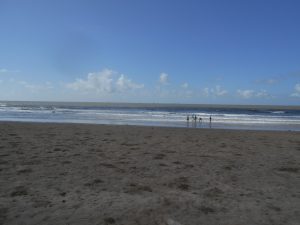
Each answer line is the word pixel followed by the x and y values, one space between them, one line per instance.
pixel 225 52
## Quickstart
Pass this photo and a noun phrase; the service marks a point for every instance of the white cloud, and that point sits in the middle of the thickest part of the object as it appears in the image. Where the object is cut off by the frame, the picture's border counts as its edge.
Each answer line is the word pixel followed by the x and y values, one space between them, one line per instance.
pixel 163 78
pixel 185 85
pixel 245 93
pixel 252 94
pixel 206 92
pixel 3 70
pixel 217 91
pixel 104 82
pixel 296 91
pixel 100 82
pixel 124 84
pixel 262 94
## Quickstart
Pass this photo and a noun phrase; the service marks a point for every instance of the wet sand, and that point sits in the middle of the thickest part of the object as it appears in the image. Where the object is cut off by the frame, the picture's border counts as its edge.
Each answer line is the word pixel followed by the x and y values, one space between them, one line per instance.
pixel 98 174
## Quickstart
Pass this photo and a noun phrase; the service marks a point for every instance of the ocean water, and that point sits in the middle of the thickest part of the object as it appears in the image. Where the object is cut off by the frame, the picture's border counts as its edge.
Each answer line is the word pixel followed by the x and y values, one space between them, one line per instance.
pixel 172 115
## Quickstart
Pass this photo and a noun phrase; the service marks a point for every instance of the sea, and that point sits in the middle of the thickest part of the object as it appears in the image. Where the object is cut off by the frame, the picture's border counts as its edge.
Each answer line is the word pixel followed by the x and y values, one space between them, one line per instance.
pixel 249 117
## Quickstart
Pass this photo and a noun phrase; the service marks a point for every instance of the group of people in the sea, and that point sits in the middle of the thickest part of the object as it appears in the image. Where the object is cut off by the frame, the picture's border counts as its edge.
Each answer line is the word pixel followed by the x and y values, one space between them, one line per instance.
pixel 194 118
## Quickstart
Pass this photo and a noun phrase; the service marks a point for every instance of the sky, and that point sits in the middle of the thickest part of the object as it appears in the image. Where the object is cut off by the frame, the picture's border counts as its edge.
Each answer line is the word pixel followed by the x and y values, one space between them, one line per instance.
pixel 158 51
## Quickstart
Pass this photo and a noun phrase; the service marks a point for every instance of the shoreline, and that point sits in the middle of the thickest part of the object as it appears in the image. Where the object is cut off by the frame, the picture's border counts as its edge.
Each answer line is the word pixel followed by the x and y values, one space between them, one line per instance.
pixel 109 174
pixel 206 126
pixel 224 117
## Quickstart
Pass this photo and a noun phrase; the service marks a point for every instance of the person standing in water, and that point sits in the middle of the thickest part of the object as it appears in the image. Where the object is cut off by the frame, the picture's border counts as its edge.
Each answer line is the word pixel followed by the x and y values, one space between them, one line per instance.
pixel 187 120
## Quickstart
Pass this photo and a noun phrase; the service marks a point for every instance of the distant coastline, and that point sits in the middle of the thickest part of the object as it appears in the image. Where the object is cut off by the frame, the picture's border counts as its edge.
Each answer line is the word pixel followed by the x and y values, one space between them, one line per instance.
pixel 151 105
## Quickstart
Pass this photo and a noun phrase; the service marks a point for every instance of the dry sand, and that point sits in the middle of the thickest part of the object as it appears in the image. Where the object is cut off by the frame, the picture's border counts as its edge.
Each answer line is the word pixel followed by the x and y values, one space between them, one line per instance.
pixel 97 174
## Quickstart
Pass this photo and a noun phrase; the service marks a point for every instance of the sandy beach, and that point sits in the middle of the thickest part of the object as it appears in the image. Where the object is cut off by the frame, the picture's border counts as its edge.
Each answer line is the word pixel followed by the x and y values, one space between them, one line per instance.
pixel 99 174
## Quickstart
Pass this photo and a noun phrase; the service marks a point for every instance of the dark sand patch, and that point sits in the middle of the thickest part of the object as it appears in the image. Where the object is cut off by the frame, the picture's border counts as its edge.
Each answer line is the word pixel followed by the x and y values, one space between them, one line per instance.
pixel 289 169
pixel 3 214
pixel 19 191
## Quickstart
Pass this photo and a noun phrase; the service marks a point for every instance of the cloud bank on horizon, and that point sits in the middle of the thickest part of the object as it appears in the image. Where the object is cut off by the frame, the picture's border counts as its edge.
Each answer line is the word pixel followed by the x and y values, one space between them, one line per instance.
pixel 110 85
pixel 216 52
